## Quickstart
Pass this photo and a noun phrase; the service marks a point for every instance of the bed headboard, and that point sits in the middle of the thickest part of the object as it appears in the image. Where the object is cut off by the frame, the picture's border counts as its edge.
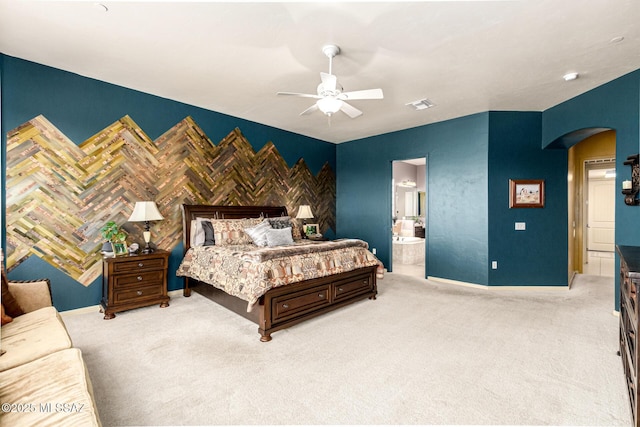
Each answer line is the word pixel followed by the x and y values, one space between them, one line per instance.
pixel 191 212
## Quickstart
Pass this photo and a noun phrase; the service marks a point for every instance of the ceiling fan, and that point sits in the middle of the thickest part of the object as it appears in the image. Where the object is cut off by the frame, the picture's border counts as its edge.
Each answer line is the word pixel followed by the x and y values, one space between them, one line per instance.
pixel 331 98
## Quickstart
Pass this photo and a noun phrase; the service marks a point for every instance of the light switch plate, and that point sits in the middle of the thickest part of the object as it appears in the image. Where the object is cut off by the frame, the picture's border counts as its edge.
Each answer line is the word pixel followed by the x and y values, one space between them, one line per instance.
pixel 521 225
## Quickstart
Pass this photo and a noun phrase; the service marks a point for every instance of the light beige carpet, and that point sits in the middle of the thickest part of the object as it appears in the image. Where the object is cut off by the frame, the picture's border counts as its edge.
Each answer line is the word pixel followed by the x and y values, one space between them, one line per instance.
pixel 422 353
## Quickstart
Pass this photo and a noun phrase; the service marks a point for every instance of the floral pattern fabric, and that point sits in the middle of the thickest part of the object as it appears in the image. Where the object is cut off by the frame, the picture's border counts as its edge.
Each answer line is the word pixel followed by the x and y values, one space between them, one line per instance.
pixel 248 272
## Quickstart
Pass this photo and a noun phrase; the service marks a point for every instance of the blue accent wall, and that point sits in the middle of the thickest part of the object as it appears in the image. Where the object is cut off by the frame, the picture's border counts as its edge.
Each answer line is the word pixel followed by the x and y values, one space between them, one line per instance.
pixel 470 160
pixel 457 223
pixel 538 255
pixel 615 105
pixel 80 107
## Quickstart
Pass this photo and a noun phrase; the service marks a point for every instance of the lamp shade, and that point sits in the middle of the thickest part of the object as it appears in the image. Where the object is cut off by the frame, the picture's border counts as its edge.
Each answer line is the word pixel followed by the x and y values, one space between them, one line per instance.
pixel 145 211
pixel 304 212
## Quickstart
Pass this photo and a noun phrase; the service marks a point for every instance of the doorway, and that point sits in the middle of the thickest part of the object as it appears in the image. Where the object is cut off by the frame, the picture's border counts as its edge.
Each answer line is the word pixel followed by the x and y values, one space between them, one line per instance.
pixel 409 217
pixel 599 224
pixel 591 203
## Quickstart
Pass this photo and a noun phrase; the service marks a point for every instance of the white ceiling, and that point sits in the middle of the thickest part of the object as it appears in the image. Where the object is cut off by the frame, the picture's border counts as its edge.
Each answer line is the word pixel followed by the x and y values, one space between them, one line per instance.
pixel 466 57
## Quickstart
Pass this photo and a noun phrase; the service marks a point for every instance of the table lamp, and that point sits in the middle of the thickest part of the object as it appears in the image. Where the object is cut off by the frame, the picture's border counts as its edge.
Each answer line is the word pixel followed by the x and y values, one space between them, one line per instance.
pixel 304 213
pixel 146 212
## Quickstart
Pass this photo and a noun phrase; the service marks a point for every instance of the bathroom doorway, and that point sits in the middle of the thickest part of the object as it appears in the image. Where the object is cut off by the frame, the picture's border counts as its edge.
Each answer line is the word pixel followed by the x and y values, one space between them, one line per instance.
pixel 409 217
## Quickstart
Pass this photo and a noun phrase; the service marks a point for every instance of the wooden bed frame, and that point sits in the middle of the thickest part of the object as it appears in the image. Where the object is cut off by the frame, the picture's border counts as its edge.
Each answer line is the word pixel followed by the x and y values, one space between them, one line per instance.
pixel 283 306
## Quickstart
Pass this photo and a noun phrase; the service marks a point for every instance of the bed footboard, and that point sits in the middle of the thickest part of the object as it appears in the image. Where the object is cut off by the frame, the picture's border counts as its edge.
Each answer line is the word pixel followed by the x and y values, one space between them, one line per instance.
pixel 289 305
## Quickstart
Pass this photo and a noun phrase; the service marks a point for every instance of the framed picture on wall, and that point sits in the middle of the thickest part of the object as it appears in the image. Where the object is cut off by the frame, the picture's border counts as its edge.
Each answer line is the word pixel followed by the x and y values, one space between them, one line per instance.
pixel 526 193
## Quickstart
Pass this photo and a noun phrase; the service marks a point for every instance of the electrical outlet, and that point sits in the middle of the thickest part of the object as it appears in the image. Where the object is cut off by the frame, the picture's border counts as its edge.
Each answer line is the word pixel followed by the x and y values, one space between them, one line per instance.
pixel 521 226
pixel 494 265
pixel 374 251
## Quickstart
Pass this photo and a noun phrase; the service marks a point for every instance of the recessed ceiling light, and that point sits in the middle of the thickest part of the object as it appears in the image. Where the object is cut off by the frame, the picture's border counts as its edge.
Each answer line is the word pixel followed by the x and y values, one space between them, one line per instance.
pixel 570 76
pixel 101 7
pixel 616 39
pixel 421 104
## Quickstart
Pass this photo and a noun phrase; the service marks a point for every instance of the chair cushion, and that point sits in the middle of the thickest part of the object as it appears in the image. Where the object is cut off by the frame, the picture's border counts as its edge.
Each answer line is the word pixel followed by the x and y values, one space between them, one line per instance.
pixel 59 379
pixel 31 336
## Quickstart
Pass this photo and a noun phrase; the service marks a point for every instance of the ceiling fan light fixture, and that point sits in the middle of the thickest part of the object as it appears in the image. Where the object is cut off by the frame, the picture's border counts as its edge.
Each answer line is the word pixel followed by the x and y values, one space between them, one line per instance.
pixel 330 97
pixel 329 105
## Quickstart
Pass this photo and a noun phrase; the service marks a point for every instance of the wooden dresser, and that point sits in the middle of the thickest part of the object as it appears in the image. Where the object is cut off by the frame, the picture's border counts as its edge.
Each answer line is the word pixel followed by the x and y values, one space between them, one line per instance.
pixel 132 281
pixel 629 284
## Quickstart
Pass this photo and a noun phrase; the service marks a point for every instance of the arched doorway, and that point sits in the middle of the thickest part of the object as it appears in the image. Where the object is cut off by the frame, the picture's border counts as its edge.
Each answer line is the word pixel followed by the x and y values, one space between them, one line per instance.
pixel 591 204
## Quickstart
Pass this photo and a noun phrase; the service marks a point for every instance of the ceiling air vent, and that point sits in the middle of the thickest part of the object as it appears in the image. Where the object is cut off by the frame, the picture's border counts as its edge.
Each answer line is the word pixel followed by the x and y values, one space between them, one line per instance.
pixel 421 104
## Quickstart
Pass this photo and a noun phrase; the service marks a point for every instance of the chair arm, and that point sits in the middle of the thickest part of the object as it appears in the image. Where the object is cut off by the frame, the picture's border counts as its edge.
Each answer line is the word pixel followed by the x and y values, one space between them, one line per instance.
pixel 31 295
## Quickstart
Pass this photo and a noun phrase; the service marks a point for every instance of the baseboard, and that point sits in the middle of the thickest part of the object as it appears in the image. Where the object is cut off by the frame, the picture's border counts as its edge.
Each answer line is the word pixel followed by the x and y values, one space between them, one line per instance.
pixel 96 308
pixel 457 282
pixel 573 276
pixel 81 310
pixel 497 288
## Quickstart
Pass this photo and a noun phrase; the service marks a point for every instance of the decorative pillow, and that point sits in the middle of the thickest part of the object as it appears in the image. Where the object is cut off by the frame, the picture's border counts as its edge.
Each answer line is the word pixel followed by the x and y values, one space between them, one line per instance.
pixel 279 237
pixel 259 233
pixel 231 231
pixel 11 306
pixel 202 232
pixel 284 222
pixel 197 232
pixel 4 319
pixel 193 232
pixel 209 239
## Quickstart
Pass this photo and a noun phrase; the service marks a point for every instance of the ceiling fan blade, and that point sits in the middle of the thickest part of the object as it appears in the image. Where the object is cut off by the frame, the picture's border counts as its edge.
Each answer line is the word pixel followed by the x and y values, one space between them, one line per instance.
pixel 362 94
pixel 302 95
pixel 310 110
pixel 350 111
pixel 329 81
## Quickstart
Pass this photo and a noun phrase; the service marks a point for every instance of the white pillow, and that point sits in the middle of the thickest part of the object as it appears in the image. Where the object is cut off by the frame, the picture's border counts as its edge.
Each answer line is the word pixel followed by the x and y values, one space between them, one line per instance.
pixel 279 237
pixel 259 233
pixel 194 230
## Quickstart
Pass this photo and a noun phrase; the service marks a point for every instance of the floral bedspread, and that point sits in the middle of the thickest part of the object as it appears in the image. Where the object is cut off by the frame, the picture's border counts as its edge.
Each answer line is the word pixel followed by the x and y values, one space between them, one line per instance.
pixel 248 272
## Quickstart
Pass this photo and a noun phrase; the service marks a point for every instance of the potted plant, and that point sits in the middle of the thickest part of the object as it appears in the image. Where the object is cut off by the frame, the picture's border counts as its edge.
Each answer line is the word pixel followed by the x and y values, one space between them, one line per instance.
pixel 115 235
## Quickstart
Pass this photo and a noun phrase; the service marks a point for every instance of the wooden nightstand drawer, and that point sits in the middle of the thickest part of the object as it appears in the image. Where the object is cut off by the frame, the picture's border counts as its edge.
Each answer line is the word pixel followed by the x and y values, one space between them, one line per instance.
pixel 138 294
pixel 139 264
pixel 295 304
pixel 352 287
pixel 133 281
pixel 142 278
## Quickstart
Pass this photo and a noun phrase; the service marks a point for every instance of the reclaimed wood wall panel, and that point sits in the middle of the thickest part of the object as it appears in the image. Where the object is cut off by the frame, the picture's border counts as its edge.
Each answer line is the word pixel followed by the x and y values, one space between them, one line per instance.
pixel 59 194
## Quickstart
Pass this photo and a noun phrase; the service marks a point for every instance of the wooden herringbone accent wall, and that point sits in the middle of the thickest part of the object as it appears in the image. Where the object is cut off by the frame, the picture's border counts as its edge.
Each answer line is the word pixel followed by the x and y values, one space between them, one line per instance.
pixel 60 194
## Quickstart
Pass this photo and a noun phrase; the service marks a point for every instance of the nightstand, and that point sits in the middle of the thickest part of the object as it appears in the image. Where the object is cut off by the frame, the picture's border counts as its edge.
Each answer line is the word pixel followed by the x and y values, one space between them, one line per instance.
pixel 132 281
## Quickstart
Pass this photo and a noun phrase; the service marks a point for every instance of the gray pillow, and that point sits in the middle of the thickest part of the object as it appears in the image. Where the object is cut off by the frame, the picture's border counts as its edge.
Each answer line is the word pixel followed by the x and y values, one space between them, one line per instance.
pixel 280 222
pixel 279 237
pixel 208 233
pixel 259 233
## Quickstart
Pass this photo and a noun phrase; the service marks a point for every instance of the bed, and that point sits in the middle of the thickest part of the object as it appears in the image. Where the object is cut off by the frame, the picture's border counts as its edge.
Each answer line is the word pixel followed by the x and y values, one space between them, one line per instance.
pixel 263 291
